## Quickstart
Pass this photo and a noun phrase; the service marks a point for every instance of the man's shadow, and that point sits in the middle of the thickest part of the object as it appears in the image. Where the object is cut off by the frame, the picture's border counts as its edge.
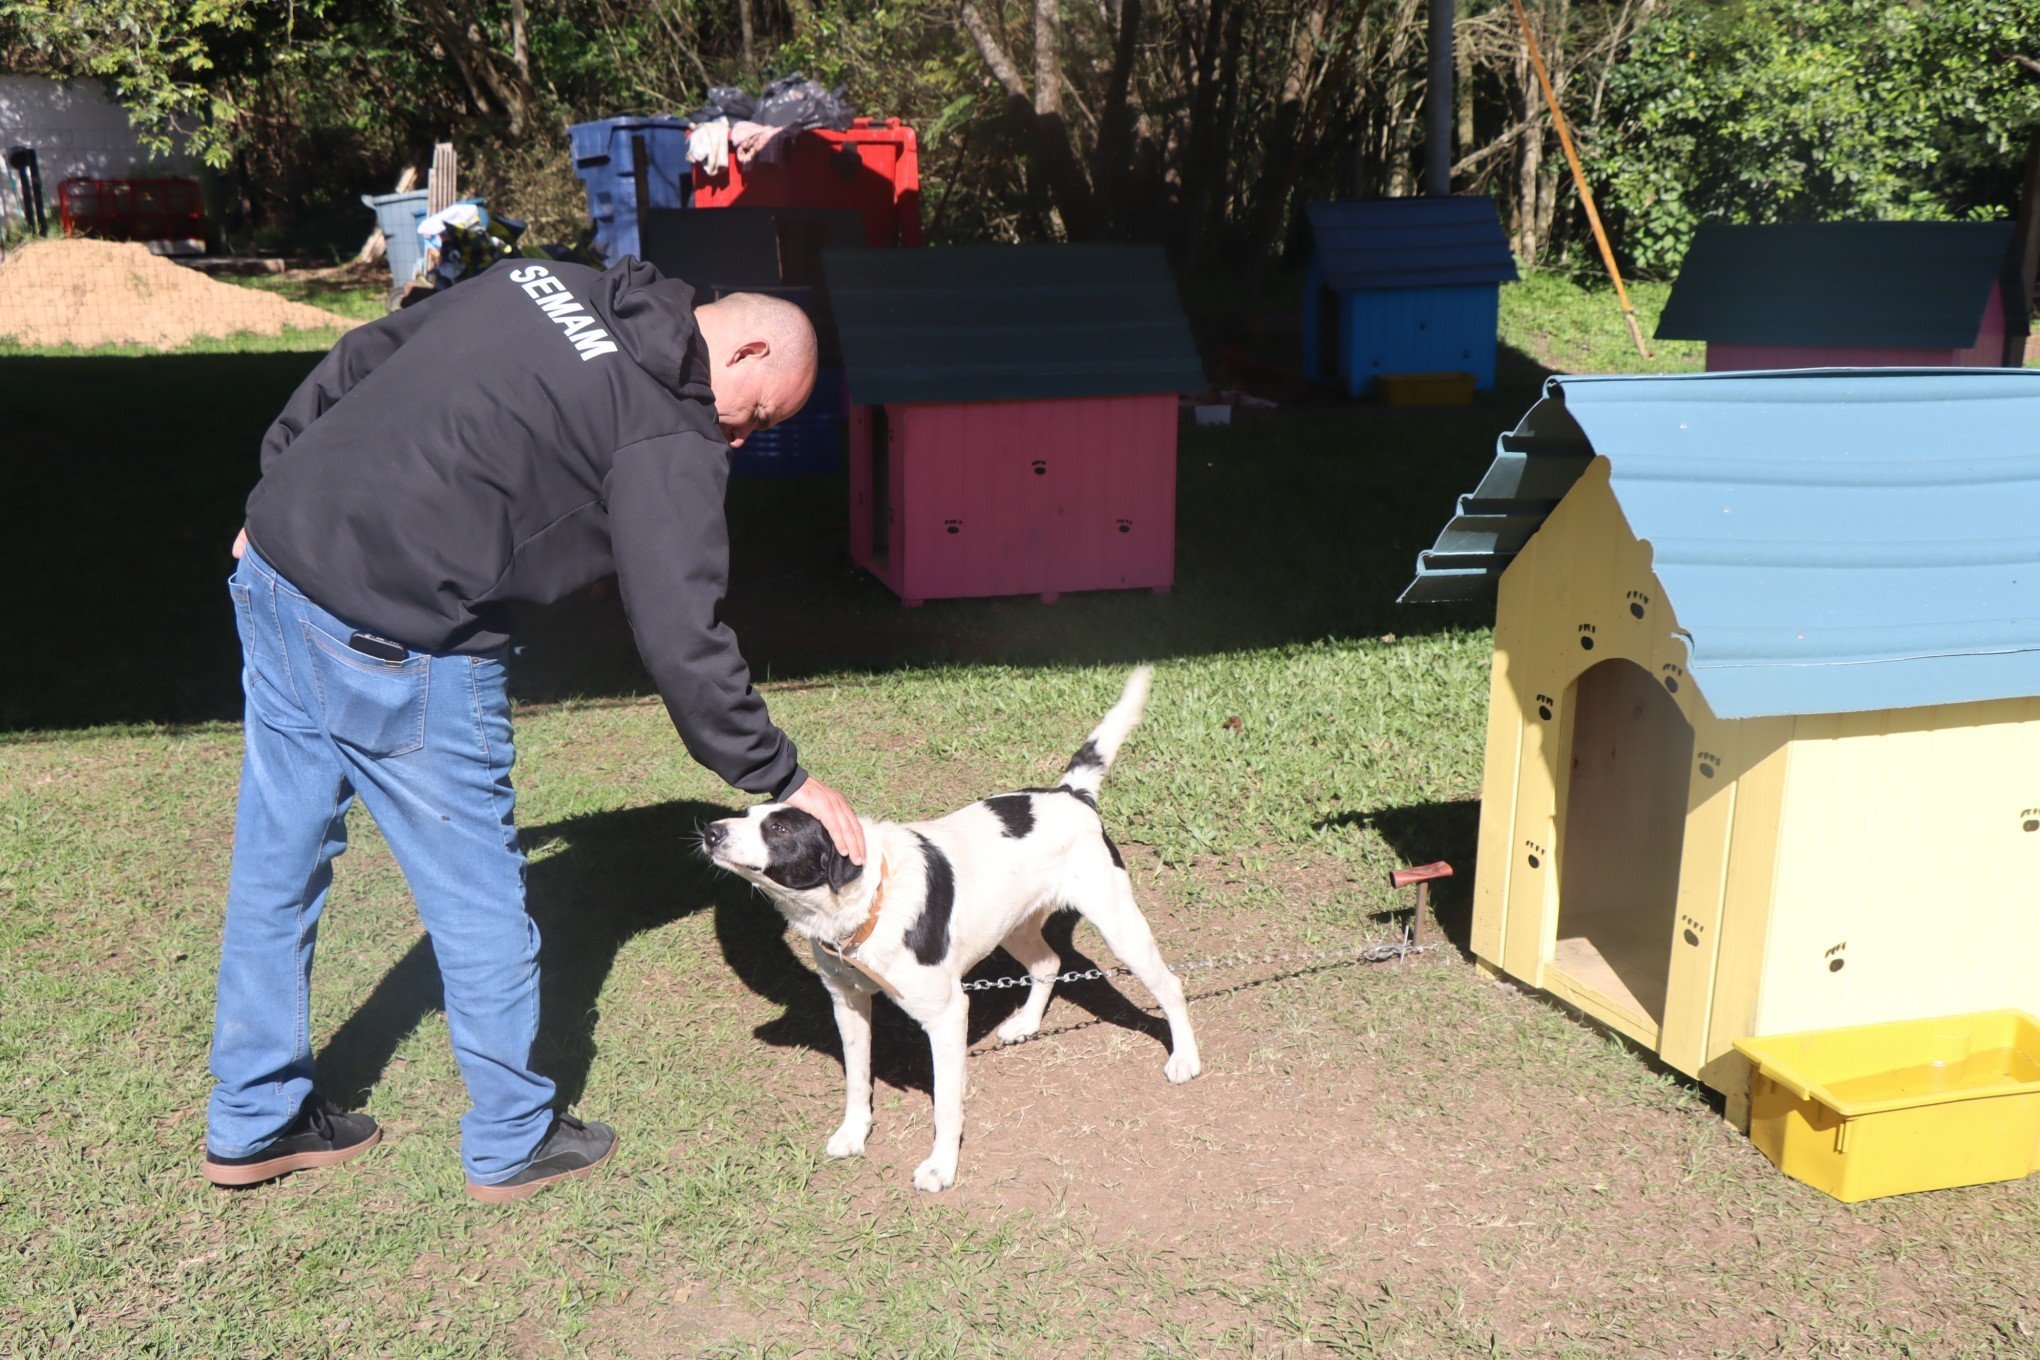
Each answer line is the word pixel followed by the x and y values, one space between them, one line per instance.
pixel 594 882
pixel 598 880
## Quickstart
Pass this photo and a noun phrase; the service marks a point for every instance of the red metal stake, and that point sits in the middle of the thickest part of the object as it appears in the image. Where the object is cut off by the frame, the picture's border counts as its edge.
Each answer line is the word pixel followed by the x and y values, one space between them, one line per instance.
pixel 1421 875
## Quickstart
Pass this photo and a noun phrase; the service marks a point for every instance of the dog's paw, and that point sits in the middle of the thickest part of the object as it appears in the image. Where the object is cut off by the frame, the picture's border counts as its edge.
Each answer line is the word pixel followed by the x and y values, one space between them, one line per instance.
pixel 934 1175
pixel 1183 1064
pixel 1018 1026
pixel 848 1141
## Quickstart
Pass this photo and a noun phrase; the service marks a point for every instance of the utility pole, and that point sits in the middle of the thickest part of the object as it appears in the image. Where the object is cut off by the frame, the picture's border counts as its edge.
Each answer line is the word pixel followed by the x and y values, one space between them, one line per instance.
pixel 1438 110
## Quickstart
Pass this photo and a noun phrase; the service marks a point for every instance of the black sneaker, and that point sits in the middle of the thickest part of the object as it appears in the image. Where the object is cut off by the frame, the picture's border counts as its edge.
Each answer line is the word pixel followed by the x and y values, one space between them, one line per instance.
pixel 569 1149
pixel 321 1135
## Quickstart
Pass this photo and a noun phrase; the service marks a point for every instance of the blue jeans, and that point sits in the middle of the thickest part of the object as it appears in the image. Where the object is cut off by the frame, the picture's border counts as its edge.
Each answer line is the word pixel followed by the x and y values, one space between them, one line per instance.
pixel 425 743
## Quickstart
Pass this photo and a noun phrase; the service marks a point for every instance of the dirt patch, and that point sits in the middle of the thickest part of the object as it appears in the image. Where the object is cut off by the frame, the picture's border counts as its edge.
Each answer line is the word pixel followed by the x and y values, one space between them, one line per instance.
pixel 1379 1120
pixel 80 292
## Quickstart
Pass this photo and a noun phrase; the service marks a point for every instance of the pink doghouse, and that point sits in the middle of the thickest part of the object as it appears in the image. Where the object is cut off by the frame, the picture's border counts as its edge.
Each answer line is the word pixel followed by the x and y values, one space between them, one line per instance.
pixel 1848 295
pixel 1014 418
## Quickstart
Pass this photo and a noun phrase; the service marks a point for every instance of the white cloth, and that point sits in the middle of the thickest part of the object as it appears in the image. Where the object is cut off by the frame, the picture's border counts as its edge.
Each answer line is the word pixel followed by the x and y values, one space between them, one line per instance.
pixel 468 215
pixel 708 146
pixel 757 141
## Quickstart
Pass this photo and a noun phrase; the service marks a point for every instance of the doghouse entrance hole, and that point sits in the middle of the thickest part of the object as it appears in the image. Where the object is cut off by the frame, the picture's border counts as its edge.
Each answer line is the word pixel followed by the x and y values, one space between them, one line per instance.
pixel 1625 820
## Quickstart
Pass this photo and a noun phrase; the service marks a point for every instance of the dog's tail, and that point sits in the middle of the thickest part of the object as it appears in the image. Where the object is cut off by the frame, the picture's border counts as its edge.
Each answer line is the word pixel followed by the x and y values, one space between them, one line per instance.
pixel 1085 773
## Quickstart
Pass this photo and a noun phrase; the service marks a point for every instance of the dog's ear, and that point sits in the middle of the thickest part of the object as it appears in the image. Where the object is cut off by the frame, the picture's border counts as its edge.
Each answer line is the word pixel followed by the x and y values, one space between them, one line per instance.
pixel 801 854
pixel 843 870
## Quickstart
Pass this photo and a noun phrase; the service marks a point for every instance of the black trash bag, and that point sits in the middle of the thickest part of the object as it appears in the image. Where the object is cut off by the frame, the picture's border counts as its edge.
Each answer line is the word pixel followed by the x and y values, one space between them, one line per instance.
pixel 797 102
pixel 791 101
pixel 725 101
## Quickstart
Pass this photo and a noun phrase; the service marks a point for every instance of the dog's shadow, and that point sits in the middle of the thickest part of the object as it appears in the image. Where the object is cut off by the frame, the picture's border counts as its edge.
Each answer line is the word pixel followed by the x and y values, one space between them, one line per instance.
pixel 597 881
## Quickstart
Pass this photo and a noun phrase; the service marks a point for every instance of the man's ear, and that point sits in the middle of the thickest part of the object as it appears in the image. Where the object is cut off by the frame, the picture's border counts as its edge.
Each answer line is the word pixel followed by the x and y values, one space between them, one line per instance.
pixel 843 870
pixel 750 349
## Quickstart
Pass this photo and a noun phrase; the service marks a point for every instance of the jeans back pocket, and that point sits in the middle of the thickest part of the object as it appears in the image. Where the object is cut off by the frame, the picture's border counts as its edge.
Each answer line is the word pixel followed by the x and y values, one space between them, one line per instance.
pixel 376 707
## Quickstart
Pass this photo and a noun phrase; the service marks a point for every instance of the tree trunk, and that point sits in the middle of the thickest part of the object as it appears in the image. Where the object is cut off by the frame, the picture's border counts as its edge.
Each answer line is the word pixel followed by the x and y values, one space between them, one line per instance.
pixel 1050 154
pixel 520 40
pixel 1198 148
pixel 1218 188
pixel 1529 164
pixel 472 52
pixel 2026 241
pixel 1552 35
pixel 1048 79
pixel 744 23
pixel 1115 121
pixel 1286 144
pixel 1462 87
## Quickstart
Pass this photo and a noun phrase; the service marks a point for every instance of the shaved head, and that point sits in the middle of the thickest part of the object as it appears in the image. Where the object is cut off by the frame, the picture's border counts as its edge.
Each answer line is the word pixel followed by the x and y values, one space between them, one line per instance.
pixel 762 353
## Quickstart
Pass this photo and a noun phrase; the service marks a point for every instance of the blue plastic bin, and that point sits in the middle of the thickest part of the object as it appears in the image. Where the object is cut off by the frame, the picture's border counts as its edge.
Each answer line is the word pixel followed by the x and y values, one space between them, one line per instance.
pixel 399 215
pixel 603 161
pixel 809 445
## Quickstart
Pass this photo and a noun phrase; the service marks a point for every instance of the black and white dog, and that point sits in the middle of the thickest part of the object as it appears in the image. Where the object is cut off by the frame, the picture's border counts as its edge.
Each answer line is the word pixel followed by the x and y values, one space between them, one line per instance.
pixel 933 898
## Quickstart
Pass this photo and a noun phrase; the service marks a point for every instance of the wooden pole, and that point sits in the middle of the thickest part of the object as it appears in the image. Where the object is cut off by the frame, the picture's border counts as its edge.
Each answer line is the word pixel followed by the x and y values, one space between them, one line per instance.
pixel 1572 158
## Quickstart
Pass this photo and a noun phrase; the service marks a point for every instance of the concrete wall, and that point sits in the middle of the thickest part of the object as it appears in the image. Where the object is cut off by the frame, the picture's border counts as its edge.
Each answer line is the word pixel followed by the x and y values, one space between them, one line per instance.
pixel 76 128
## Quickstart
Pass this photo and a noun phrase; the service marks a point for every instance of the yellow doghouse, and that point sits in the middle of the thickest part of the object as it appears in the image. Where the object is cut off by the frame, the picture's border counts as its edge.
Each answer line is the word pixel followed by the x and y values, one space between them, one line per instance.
pixel 1763 751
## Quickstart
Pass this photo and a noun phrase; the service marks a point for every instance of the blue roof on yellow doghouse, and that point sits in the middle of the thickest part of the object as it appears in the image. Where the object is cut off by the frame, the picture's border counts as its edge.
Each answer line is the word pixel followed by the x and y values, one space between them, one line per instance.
pixel 1833 540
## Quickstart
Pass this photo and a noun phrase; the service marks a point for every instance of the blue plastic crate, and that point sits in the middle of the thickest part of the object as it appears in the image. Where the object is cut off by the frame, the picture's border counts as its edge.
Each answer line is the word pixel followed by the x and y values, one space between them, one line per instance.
pixel 603 161
pixel 808 445
pixel 398 216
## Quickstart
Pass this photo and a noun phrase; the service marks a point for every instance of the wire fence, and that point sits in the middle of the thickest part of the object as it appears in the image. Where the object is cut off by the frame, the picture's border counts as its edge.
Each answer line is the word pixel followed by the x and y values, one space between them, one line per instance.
pixel 103 246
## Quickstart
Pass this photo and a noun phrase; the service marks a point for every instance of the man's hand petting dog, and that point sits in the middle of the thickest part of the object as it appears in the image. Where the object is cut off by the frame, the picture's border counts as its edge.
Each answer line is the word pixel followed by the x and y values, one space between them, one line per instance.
pixel 833 811
pixel 936 897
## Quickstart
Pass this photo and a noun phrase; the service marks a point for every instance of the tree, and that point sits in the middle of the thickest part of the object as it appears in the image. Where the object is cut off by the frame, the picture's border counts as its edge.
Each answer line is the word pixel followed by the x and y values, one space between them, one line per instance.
pixel 166 60
pixel 1794 110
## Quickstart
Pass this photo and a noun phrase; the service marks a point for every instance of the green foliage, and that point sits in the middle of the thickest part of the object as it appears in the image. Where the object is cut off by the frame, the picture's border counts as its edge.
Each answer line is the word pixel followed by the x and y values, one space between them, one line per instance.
pixel 1688 110
pixel 1792 110
pixel 906 60
pixel 161 57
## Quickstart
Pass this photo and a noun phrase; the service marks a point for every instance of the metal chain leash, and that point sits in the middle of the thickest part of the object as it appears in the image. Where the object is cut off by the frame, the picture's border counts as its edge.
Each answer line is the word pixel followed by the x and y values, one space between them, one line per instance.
pixel 1369 953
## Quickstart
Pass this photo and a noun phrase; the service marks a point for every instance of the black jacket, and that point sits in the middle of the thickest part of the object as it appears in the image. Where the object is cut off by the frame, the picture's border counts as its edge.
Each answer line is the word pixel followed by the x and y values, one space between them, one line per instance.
pixel 531 431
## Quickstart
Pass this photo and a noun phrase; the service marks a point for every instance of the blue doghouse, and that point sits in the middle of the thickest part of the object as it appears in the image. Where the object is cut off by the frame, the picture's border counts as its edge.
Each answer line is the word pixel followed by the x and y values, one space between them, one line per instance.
pixel 1403 285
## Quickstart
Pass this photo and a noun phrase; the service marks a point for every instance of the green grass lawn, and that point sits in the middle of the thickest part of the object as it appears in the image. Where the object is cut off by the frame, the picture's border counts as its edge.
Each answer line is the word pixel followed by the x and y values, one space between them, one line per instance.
pixel 352 295
pixel 1392 1160
pixel 356 295
pixel 1574 327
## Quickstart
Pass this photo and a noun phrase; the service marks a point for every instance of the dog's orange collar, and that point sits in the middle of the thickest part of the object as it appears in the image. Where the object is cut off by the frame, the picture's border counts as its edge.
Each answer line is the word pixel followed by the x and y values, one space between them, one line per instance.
pixel 847 947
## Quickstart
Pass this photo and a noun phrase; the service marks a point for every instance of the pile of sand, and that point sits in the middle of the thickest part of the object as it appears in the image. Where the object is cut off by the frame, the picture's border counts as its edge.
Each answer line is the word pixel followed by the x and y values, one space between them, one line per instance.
pixel 83 292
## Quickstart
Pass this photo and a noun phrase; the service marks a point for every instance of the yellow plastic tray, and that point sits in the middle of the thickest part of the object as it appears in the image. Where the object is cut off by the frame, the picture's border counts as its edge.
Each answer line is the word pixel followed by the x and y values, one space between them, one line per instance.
pixel 1890 1109
pixel 1426 389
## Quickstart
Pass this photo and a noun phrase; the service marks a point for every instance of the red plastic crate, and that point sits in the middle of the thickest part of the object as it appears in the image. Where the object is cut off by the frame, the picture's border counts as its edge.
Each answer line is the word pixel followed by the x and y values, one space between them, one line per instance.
pixel 873 169
pixel 132 209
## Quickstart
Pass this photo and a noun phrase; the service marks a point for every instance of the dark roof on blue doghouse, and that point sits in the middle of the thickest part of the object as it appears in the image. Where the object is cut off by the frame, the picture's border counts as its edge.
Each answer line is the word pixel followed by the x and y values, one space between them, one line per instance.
pixel 1009 323
pixel 1832 540
pixel 1410 242
pixel 1900 285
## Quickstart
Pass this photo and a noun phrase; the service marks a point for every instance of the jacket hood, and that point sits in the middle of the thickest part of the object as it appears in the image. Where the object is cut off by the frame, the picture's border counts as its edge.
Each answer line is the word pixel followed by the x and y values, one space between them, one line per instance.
pixel 652 318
